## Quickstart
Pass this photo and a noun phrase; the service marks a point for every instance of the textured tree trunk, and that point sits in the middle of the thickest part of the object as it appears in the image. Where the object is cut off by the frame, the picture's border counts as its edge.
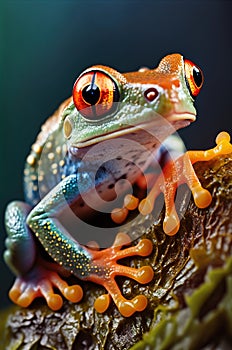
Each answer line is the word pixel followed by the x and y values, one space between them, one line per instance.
pixel 190 297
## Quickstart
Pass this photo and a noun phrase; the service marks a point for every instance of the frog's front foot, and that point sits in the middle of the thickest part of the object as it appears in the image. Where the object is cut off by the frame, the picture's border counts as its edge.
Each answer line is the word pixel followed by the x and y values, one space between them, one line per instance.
pixel 174 174
pixel 40 282
pixel 179 172
pixel 105 268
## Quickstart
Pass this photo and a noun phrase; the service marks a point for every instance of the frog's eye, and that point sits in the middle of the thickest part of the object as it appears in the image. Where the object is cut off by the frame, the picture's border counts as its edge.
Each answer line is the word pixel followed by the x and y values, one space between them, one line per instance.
pixel 194 77
pixel 95 95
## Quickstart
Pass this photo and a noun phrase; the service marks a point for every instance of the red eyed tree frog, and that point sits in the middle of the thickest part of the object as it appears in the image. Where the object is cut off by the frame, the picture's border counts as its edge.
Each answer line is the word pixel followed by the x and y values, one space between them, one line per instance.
pixel 105 105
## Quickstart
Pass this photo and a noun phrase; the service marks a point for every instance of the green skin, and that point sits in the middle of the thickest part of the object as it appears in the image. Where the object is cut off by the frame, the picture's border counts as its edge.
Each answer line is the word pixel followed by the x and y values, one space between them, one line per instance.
pixel 147 122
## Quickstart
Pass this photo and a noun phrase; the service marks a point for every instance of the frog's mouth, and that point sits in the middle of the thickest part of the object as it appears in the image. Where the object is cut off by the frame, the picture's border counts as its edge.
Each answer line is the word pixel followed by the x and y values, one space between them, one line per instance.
pixel 160 129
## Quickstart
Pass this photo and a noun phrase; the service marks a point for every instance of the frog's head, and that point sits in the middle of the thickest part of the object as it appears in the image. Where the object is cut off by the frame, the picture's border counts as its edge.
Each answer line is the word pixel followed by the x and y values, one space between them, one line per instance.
pixel 108 104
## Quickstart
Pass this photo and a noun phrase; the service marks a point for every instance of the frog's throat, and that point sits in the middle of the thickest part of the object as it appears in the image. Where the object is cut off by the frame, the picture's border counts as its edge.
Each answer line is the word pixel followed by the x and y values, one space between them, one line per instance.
pixel 175 121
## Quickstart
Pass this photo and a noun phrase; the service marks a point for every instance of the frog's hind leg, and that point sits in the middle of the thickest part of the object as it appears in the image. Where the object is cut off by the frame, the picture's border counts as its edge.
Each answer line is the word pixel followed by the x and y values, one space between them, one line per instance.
pixel 20 253
pixel 106 268
pixel 36 277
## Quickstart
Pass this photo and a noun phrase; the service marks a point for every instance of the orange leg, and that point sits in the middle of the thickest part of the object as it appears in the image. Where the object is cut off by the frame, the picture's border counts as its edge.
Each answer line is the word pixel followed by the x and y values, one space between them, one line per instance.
pixel 182 171
pixel 174 174
pixel 105 268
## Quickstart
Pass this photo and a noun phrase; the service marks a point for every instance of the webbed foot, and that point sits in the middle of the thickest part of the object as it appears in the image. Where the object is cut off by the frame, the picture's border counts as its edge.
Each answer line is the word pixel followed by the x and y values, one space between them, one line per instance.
pixel 174 174
pixel 105 268
pixel 179 172
pixel 40 282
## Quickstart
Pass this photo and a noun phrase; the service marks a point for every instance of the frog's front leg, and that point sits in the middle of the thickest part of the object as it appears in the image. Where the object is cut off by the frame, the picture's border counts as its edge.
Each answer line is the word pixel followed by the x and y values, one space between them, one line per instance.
pixel 182 171
pixel 87 264
pixel 104 268
pixel 36 276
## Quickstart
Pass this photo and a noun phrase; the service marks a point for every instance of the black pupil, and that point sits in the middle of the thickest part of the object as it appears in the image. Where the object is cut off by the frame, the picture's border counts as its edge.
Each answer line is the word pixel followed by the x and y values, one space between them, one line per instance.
pixel 197 76
pixel 91 94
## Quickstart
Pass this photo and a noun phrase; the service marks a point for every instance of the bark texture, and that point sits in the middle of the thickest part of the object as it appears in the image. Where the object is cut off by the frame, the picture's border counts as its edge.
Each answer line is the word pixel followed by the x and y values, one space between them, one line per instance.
pixel 190 297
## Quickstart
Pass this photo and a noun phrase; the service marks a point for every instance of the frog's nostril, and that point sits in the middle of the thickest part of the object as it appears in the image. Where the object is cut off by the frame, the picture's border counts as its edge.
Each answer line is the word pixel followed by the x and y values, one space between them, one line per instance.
pixel 151 94
pixel 67 128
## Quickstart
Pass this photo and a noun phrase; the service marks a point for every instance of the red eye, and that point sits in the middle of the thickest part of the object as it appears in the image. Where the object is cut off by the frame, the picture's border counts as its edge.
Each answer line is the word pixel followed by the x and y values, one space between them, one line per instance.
pixel 95 94
pixel 194 77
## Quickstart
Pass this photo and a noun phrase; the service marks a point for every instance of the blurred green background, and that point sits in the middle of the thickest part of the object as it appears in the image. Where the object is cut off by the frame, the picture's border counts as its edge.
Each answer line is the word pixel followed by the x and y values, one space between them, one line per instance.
pixel 44 45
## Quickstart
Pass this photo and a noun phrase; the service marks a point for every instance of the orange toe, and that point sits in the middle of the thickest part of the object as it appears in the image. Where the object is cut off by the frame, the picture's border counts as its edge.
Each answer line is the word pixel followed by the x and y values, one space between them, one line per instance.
pixel 14 294
pixel 146 206
pixel 131 202
pixel 128 307
pixel 54 301
pixel 145 274
pixel 223 137
pixel 171 223
pixel 140 302
pixel 144 247
pixel 119 215
pixel 202 197
pixel 25 299
pixel 73 293
pixel 102 303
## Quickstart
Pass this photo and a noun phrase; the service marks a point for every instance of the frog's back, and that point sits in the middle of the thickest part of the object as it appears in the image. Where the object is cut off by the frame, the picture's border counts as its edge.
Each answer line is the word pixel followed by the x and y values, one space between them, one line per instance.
pixel 44 165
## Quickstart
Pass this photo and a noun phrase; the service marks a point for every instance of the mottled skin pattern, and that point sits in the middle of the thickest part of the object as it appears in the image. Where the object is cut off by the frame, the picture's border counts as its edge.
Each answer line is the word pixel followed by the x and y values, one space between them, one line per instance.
pixel 144 108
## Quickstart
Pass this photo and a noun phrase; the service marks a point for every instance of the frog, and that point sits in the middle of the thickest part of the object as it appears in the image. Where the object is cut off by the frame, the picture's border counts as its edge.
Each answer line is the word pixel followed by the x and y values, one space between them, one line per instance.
pixel 73 156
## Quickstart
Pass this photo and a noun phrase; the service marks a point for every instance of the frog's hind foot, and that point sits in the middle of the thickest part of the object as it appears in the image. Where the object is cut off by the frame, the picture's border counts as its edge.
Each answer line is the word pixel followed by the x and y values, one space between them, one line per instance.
pixel 41 283
pixel 106 268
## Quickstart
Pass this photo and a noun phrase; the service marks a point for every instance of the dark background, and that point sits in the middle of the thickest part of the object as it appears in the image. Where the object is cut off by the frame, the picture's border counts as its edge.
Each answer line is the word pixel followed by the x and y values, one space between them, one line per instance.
pixel 46 44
